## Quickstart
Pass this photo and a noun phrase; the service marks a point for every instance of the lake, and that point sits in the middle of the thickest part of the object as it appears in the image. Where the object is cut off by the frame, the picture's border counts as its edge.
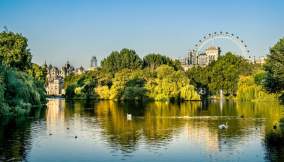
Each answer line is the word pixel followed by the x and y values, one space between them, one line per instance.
pixel 153 131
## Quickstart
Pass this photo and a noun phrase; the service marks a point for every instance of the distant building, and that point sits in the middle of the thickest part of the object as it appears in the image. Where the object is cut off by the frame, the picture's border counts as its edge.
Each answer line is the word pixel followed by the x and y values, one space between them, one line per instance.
pixel 56 87
pixel 67 70
pixel 212 53
pixel 80 70
pixel 183 61
pixel 94 62
pixel 201 59
pixel 192 58
pixel 260 60
pixel 55 79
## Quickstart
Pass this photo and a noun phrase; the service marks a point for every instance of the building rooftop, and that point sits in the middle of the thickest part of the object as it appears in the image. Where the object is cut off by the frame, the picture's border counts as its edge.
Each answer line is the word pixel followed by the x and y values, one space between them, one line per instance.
pixel 212 48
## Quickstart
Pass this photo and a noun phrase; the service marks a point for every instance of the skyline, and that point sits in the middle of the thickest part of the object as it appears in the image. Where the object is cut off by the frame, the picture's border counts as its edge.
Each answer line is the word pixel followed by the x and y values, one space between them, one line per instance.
pixel 71 30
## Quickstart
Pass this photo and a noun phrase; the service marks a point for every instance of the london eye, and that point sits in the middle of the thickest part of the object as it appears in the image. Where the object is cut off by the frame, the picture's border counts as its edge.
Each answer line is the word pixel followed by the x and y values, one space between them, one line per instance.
pixel 245 52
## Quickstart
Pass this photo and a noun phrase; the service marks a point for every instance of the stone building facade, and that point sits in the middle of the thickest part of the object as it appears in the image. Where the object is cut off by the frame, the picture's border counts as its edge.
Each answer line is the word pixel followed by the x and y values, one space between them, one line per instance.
pixel 55 79
pixel 201 59
pixel 212 53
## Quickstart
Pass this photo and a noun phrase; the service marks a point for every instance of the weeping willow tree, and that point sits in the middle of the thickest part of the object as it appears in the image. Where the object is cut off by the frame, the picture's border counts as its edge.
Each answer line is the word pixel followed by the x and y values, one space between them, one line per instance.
pixel 250 89
pixel 169 84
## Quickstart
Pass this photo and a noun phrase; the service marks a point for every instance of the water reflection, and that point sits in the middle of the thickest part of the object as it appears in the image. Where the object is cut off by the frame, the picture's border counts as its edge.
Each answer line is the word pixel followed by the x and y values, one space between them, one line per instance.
pixel 15 136
pixel 158 130
pixel 274 143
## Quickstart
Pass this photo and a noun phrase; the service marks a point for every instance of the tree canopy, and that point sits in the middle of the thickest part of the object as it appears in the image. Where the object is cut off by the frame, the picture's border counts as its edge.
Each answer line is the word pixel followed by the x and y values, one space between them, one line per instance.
pixel 21 82
pixel 163 83
pixel 14 51
pixel 274 68
pixel 38 72
pixel 221 74
pixel 116 61
pixel 250 88
pixel 155 60
pixel 19 92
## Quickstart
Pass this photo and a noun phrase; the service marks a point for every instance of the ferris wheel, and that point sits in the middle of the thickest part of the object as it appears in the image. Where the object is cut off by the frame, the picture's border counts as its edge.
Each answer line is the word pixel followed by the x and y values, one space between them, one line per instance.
pixel 245 52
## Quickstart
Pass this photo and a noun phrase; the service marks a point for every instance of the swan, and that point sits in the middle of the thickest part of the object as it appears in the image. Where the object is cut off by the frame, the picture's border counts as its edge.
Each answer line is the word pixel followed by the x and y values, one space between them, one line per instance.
pixel 223 126
pixel 129 117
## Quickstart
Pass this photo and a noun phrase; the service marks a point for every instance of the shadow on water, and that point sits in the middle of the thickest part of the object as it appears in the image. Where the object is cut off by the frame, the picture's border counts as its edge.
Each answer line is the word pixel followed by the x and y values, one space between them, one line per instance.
pixel 15 135
pixel 274 143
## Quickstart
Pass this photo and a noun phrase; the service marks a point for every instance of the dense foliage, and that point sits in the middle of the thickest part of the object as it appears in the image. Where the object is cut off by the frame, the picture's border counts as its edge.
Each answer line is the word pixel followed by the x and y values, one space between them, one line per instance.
pixel 250 88
pixel 19 92
pixel 274 68
pixel 221 74
pixel 38 72
pixel 164 83
pixel 14 51
pixel 155 60
pixel 124 76
pixel 168 84
pixel 82 86
pixel 116 61
pixel 21 82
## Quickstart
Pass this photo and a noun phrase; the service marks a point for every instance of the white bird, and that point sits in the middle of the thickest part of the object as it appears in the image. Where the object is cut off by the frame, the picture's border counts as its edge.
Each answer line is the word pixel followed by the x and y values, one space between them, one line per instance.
pixel 223 126
pixel 129 117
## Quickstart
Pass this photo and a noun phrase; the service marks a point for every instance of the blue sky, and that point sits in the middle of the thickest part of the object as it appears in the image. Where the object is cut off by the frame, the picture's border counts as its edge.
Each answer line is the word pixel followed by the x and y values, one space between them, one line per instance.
pixel 60 30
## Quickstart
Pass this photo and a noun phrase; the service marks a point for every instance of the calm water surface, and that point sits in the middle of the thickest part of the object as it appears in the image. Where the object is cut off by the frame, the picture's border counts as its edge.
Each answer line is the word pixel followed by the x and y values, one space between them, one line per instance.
pixel 158 131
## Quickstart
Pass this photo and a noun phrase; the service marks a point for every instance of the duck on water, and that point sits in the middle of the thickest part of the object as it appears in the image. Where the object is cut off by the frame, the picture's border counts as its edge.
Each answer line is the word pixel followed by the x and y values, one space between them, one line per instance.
pixel 223 126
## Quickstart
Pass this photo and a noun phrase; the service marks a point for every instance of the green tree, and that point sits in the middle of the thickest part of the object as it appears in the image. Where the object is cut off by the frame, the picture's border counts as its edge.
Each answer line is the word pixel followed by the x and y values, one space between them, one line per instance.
pixel 85 84
pixel 14 50
pixel 221 74
pixel 70 91
pixel 37 72
pixel 19 92
pixel 225 73
pixel 21 85
pixel 134 89
pixel 250 89
pixel 103 92
pixel 155 60
pixel 199 77
pixel 274 68
pixel 117 61
pixel 168 84
pixel 81 86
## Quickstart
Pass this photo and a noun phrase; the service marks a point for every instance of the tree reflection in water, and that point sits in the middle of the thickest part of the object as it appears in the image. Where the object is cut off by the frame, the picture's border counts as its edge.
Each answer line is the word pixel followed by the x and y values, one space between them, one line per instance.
pixel 161 121
pixel 154 126
pixel 15 136
pixel 274 143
